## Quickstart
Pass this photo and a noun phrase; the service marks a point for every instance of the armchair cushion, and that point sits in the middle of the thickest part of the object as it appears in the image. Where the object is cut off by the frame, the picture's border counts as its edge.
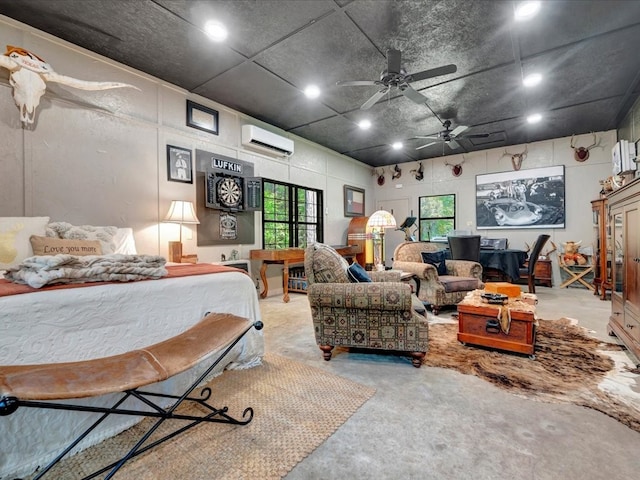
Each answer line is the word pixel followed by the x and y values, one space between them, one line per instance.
pixel 328 265
pixel 437 259
pixel 357 274
pixel 453 283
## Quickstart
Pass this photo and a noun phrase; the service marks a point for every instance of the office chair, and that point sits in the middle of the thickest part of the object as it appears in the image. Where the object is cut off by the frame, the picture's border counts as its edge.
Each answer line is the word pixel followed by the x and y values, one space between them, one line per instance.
pixel 465 247
pixel 528 271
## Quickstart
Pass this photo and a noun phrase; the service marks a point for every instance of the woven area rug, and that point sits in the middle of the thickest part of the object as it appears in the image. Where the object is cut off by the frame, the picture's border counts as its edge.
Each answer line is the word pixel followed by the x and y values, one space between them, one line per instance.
pixel 570 366
pixel 296 408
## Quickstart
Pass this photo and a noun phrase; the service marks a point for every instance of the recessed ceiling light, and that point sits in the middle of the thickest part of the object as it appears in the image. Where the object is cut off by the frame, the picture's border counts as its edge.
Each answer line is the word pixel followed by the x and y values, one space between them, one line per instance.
pixel 532 80
pixel 364 124
pixel 534 118
pixel 396 145
pixel 526 10
pixel 312 91
pixel 216 31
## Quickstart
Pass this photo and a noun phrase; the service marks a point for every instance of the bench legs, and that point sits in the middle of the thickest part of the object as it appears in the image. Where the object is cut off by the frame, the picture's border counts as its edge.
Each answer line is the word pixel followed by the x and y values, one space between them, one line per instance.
pixel 10 404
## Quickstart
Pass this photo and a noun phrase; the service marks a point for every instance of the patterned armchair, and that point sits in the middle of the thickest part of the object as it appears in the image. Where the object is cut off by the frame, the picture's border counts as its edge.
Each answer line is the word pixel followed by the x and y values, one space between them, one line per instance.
pixel 461 276
pixel 373 315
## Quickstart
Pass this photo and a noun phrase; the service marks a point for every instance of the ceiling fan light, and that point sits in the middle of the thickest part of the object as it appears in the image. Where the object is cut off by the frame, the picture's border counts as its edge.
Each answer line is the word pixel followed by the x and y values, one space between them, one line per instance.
pixel 364 124
pixel 396 145
pixel 534 118
pixel 526 10
pixel 216 31
pixel 532 80
pixel 312 91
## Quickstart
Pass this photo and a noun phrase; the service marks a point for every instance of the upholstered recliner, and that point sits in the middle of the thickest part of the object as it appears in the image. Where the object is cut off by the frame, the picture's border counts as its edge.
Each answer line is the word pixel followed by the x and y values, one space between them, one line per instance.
pixel 461 276
pixel 378 315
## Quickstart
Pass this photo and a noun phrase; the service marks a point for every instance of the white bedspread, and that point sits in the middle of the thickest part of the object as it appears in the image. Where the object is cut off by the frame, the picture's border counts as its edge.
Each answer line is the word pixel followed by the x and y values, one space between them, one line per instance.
pixel 89 322
pixel 44 270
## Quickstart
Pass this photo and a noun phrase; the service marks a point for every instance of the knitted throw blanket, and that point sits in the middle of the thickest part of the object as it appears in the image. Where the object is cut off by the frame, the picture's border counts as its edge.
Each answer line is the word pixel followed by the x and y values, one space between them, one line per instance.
pixel 44 270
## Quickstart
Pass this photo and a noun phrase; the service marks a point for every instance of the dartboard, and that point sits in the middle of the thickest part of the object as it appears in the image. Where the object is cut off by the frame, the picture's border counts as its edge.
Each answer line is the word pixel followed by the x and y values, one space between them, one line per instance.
pixel 229 192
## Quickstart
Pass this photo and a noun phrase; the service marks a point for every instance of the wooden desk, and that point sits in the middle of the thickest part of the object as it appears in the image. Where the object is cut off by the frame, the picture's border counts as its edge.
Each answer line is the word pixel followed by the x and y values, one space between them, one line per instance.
pixel 286 256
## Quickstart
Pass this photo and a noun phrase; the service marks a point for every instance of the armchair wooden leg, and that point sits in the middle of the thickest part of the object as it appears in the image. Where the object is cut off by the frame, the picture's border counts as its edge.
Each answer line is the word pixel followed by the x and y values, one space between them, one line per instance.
pixel 326 351
pixel 532 284
pixel 416 358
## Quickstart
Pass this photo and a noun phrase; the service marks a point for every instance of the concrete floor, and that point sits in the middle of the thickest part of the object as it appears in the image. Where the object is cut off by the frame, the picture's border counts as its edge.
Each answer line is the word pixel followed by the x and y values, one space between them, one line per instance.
pixel 433 423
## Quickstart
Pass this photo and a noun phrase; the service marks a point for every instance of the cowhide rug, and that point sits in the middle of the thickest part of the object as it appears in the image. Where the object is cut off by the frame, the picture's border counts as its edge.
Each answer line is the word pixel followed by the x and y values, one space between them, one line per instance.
pixel 570 367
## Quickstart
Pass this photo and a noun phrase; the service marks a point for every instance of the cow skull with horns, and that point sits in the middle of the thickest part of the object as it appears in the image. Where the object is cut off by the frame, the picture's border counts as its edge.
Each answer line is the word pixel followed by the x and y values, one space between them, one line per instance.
pixel 28 75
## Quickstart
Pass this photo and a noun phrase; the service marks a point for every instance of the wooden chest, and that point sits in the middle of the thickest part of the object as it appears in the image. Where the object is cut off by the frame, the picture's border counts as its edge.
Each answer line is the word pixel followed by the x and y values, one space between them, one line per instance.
pixel 478 325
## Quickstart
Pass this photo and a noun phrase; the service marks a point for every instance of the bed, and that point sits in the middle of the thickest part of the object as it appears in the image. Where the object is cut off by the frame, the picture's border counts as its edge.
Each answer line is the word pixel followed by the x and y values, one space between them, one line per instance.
pixel 57 325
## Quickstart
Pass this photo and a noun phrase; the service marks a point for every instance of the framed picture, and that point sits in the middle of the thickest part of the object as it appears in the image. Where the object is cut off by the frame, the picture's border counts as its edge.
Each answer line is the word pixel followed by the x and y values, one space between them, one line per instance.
pixel 353 201
pixel 532 198
pixel 179 165
pixel 202 118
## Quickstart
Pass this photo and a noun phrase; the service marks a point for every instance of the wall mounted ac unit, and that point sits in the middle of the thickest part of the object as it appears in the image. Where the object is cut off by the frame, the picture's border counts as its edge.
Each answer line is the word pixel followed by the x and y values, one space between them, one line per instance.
pixel 265 141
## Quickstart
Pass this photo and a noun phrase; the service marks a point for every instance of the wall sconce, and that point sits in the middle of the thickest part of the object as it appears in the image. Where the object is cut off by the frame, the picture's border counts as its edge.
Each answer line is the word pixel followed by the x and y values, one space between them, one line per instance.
pixel 182 213
pixel 377 224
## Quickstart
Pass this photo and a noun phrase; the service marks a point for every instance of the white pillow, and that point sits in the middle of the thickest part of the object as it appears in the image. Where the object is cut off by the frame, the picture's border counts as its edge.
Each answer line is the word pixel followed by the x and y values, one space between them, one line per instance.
pixel 124 242
pixel 14 238
pixel 87 232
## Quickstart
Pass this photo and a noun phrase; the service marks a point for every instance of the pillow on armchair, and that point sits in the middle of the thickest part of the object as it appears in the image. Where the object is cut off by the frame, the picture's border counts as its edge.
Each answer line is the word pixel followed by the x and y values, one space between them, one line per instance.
pixel 328 265
pixel 437 259
pixel 357 274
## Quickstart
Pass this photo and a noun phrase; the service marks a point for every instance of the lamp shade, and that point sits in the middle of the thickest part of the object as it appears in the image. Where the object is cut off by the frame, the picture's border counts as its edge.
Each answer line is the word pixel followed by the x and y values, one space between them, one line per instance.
pixel 181 212
pixel 381 219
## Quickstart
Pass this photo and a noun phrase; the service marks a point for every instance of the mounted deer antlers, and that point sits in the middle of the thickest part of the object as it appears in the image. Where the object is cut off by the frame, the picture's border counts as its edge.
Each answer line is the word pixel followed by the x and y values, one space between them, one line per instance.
pixel 419 173
pixel 543 255
pixel 582 153
pixel 380 174
pixel 516 158
pixel 456 170
pixel 397 173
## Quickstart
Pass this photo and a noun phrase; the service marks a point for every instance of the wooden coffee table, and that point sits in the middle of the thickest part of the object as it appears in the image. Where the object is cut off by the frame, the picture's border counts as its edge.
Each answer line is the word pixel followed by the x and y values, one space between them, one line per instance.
pixel 478 325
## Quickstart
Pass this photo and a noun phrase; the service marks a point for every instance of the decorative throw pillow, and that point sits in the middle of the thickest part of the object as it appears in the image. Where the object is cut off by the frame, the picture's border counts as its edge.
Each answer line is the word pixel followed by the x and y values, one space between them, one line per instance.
pixel 357 274
pixel 328 265
pixel 14 238
pixel 437 259
pixel 56 246
pixel 87 232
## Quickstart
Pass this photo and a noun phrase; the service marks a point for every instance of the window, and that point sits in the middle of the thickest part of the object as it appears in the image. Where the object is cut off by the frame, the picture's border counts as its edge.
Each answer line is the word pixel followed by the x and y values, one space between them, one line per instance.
pixel 291 215
pixel 437 216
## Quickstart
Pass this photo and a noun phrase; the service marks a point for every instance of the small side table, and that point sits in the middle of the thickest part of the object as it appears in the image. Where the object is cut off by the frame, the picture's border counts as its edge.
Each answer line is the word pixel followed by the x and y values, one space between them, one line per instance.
pixel 409 277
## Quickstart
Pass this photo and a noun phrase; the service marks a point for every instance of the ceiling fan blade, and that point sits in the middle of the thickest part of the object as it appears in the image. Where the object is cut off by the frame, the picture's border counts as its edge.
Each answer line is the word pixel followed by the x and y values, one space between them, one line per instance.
pixel 427 145
pixel 458 130
pixel 453 144
pixel 434 72
pixel 376 96
pixel 431 137
pixel 413 95
pixel 356 83
pixel 393 61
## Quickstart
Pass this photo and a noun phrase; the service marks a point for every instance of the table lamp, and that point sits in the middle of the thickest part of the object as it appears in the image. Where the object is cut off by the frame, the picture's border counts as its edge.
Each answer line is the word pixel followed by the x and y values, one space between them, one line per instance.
pixel 377 223
pixel 179 212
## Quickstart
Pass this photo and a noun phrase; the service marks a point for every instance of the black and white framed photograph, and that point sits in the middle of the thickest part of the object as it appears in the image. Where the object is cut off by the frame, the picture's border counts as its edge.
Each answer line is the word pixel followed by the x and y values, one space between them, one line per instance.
pixel 179 164
pixel 202 118
pixel 533 198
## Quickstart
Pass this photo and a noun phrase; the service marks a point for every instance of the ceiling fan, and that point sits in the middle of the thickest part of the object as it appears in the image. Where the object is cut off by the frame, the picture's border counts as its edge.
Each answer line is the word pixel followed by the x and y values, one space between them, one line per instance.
pixel 395 76
pixel 449 136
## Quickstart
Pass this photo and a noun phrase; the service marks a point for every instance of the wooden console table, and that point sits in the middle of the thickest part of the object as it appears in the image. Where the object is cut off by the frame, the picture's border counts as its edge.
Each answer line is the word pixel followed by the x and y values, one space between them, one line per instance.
pixel 287 256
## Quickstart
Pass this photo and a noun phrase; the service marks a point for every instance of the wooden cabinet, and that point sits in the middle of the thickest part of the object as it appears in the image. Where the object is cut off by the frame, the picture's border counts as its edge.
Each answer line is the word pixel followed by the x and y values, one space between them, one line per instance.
pixel 624 217
pixel 602 248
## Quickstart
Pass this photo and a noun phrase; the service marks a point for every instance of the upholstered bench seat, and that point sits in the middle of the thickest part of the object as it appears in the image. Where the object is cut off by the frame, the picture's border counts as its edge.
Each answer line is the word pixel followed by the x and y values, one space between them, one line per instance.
pixel 58 381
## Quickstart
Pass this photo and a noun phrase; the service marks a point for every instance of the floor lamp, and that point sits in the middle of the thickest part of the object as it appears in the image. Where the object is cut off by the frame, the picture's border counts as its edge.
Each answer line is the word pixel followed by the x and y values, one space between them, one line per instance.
pixel 377 224
pixel 183 213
